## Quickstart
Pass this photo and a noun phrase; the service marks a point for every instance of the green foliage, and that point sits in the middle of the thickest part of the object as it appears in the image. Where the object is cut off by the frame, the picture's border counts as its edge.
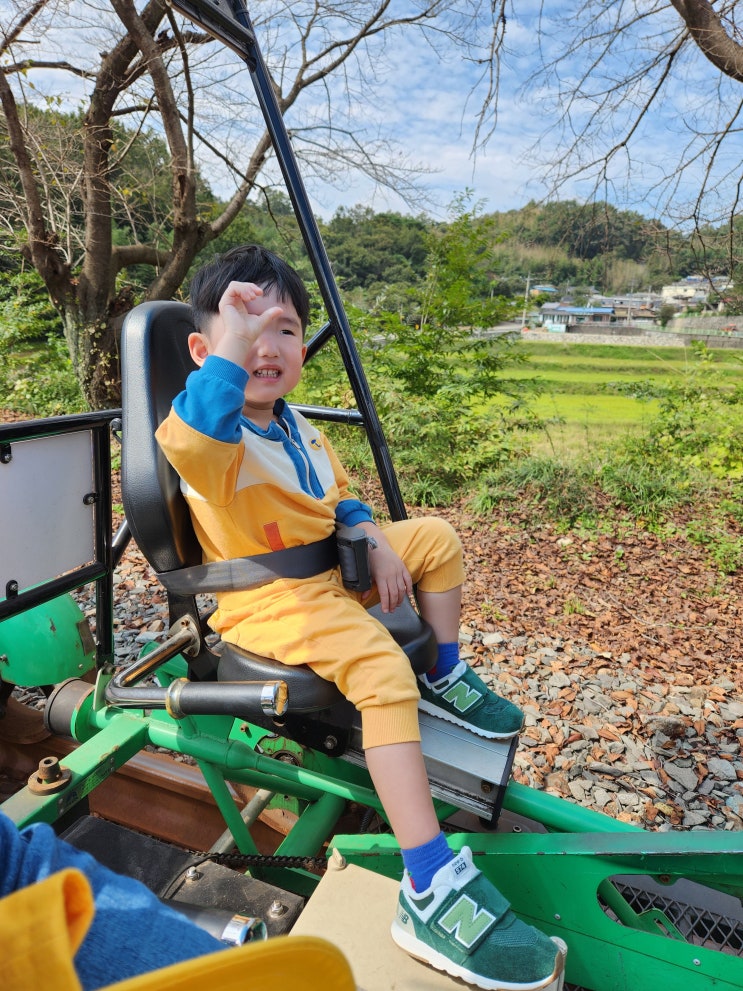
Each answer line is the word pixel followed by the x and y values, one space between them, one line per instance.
pixel 26 314
pixel 540 484
pixel 440 441
pixel 666 313
pixel 269 221
pixel 36 375
pixel 694 438
pixel 429 379
pixel 375 250
pixel 648 489
pixel 40 382
pixel 724 547
pixel 698 424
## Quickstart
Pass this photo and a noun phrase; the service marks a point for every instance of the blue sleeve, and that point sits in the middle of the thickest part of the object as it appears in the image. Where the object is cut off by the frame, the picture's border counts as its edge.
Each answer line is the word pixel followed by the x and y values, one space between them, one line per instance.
pixel 213 399
pixel 132 931
pixel 349 512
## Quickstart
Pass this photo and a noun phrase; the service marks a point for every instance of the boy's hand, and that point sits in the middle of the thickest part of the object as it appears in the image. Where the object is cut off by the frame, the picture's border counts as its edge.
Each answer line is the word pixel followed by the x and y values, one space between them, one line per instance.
pixel 242 326
pixel 388 570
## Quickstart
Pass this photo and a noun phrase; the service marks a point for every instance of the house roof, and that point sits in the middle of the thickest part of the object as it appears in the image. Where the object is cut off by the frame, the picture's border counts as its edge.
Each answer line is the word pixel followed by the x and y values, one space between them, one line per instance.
pixel 577 311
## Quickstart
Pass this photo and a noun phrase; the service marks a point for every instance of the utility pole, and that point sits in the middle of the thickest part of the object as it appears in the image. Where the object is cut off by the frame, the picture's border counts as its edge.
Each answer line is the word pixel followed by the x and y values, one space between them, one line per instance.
pixel 526 300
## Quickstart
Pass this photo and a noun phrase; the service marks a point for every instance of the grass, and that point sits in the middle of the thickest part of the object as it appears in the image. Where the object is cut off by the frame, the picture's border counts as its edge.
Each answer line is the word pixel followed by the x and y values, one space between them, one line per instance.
pixel 579 424
pixel 603 364
pixel 616 438
pixel 586 392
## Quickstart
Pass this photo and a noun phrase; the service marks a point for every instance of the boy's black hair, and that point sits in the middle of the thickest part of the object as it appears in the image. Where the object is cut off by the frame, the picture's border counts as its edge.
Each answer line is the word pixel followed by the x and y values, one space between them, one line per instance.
pixel 246 263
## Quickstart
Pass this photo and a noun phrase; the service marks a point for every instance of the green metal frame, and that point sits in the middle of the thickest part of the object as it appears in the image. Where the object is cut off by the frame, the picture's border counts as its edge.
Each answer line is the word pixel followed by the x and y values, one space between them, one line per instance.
pixel 557 879
pixel 554 881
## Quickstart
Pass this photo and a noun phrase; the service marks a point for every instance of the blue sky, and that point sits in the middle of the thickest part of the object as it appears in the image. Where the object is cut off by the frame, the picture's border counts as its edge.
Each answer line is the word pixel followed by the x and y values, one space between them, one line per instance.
pixel 429 108
pixel 424 106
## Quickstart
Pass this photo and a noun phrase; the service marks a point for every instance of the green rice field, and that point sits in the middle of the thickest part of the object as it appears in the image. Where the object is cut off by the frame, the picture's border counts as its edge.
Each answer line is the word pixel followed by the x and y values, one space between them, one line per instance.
pixel 587 391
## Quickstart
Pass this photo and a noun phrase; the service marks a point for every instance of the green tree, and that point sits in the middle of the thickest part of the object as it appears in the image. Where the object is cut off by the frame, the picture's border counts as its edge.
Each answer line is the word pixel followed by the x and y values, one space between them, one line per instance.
pixel 370 248
pixel 434 379
pixel 665 314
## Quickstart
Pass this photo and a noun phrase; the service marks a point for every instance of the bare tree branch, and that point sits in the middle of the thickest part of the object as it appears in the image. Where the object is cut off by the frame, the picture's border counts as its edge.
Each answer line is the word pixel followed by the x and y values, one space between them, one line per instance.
pixel 175 87
pixel 609 70
pixel 709 29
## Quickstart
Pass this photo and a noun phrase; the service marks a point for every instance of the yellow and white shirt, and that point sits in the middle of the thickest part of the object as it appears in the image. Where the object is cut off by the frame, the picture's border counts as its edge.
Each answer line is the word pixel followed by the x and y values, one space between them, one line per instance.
pixel 251 490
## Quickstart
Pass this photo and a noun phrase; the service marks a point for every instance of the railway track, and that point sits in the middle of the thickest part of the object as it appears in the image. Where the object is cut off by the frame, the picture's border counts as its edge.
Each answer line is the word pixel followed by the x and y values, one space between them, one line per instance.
pixel 153 793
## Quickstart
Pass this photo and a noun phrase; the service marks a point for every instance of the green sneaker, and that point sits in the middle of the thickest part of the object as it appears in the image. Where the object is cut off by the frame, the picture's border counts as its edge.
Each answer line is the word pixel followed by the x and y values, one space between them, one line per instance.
pixel 463 925
pixel 460 697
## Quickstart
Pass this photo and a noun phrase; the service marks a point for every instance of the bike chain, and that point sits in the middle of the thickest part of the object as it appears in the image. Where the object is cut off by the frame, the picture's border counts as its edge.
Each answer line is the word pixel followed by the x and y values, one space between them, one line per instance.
pixel 274 860
pixel 258 860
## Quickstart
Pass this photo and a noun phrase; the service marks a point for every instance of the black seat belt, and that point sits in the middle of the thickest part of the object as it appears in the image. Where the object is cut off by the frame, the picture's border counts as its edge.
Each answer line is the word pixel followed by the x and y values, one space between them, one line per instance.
pixel 303 561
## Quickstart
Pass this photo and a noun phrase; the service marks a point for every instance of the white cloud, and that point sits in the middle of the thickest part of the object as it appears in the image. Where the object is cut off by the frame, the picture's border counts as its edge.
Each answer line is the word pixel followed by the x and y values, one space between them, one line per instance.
pixel 426 105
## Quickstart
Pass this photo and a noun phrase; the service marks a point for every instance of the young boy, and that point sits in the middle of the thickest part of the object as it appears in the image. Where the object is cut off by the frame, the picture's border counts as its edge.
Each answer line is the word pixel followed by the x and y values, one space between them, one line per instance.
pixel 258 477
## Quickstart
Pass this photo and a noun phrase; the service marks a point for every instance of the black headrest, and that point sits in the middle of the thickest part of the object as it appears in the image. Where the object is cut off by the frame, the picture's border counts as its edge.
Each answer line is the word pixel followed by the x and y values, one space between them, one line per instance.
pixel 154 365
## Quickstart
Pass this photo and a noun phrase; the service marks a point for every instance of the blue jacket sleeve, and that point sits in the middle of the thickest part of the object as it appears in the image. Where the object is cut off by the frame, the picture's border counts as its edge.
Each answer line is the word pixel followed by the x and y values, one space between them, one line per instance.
pixel 349 512
pixel 132 931
pixel 213 399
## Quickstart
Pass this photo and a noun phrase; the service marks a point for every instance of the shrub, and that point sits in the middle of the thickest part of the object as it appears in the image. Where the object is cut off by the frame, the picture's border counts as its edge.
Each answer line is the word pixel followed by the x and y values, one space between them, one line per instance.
pixel 561 492
pixel 36 375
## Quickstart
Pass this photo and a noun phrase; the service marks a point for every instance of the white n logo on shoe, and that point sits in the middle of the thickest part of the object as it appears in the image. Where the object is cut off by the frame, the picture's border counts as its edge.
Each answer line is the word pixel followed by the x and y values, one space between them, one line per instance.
pixel 465 921
pixel 461 696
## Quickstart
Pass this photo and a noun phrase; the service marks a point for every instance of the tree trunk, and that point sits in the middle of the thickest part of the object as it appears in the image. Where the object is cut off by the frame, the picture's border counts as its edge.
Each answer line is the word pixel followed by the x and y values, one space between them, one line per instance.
pixel 94 352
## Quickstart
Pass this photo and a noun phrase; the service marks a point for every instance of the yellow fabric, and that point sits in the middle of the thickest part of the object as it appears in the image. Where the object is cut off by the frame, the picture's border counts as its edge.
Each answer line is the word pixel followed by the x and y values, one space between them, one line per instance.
pixel 320 623
pixel 43 925
pixel 242 505
pixel 284 962
pixel 41 928
pixel 247 501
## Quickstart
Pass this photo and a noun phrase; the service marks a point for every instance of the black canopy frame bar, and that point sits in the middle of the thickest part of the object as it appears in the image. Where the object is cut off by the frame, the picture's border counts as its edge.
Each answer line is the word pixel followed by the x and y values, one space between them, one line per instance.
pixel 229 22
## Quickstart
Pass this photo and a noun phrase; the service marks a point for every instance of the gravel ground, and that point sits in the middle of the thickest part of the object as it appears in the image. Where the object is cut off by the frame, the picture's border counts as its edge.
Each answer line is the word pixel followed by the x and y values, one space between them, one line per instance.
pixel 610 731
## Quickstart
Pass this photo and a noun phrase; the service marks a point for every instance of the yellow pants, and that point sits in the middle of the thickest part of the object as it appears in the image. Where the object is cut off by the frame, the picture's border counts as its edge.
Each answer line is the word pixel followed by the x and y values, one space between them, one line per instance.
pixel 320 623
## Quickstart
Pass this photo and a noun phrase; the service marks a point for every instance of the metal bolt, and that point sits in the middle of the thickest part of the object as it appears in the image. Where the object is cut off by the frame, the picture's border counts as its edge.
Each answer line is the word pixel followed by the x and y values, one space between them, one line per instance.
pixel 277 909
pixel 557 916
pixel 192 874
pixel 330 742
pixel 49 777
pixel 486 787
pixel 49 769
pixel 697 962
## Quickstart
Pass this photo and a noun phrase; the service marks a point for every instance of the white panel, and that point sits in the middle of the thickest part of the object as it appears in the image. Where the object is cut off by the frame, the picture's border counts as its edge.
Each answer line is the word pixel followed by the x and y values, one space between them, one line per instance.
pixel 46 529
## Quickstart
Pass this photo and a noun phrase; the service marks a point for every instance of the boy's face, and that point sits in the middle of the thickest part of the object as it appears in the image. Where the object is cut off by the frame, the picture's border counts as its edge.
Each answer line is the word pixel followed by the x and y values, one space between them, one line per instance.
pixel 274 360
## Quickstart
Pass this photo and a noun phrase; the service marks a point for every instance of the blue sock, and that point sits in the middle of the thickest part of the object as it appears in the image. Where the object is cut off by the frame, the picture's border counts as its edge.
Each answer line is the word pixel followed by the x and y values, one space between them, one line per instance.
pixel 422 862
pixel 447 660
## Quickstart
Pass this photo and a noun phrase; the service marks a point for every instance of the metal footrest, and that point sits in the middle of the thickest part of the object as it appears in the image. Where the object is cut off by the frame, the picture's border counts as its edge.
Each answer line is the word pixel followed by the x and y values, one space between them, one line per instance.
pixel 467 770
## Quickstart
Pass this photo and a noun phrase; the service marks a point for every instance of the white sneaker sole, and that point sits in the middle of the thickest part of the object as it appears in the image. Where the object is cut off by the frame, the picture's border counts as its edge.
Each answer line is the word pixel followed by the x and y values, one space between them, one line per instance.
pixel 421 951
pixel 435 710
